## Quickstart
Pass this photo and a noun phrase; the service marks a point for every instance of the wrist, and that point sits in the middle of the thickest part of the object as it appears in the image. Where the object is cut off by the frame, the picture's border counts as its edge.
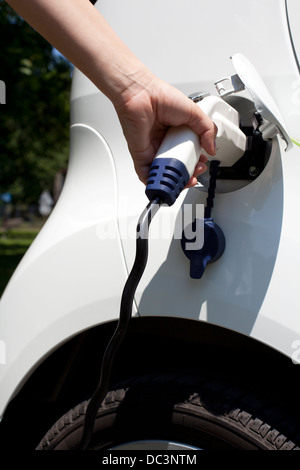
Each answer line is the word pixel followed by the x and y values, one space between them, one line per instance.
pixel 127 82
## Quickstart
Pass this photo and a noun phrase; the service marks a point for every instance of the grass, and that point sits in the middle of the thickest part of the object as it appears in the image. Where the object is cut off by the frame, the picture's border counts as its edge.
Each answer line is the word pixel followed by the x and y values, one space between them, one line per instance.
pixel 13 245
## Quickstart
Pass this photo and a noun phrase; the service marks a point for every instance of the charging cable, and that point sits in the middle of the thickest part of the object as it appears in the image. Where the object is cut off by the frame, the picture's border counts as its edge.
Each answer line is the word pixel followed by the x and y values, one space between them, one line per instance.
pixel 124 319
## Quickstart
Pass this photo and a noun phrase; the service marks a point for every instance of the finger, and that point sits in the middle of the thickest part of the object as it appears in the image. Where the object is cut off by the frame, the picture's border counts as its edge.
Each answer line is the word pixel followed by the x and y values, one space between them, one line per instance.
pixel 207 131
pixel 199 169
pixel 208 140
pixel 203 158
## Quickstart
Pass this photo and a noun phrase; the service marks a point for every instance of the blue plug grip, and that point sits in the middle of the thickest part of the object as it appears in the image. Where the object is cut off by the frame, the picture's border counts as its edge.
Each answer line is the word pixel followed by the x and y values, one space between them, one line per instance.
pixel 167 178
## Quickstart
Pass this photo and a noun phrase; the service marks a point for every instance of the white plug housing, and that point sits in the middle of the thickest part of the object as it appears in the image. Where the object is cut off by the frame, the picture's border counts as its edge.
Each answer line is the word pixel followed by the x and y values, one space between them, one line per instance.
pixel 180 150
pixel 183 144
pixel 230 140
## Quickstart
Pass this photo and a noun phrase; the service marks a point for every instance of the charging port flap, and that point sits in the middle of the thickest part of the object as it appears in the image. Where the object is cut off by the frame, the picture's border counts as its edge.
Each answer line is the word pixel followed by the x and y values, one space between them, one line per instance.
pixel 271 121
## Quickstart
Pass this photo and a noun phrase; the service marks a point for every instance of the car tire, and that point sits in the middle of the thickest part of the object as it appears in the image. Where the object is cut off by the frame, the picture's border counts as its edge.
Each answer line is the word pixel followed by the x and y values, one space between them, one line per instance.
pixel 186 410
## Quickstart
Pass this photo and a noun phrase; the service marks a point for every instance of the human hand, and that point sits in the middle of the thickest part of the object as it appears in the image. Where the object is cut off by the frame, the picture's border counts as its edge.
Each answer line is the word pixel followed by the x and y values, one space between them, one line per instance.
pixel 147 109
pixel 146 106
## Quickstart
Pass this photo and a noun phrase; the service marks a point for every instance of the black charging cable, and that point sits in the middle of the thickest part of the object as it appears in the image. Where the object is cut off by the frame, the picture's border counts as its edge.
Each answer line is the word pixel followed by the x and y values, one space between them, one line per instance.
pixel 124 320
pixel 213 173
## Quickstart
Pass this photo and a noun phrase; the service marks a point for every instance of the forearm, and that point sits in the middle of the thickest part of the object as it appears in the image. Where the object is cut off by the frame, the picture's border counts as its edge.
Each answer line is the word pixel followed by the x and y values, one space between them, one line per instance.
pixel 146 106
pixel 84 37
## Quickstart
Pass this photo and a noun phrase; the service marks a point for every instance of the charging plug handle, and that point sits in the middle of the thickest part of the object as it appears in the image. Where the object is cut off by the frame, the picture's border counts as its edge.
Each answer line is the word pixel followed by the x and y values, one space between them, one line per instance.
pixel 180 150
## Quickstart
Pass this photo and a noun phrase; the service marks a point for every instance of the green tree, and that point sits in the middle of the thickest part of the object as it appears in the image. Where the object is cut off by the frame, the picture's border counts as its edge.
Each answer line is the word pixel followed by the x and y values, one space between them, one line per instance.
pixel 34 122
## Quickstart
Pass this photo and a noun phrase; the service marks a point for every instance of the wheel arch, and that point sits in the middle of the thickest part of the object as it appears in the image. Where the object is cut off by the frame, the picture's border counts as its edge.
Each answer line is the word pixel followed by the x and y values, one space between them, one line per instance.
pixel 70 373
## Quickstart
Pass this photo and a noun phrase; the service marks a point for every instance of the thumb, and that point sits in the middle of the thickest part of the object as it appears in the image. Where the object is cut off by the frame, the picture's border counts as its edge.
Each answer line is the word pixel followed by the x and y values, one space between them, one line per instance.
pixel 207 130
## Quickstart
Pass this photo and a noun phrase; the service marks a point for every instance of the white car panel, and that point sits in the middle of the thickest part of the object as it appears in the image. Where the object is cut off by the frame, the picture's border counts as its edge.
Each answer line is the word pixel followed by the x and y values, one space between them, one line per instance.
pixel 73 275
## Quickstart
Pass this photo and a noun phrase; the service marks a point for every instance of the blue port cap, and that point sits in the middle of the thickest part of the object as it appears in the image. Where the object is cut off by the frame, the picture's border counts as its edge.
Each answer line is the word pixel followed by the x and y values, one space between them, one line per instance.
pixel 212 249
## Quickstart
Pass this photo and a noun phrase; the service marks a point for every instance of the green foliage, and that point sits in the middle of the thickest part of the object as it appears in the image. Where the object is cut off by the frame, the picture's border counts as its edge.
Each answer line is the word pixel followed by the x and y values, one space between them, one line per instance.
pixel 25 234
pixel 34 122
pixel 13 245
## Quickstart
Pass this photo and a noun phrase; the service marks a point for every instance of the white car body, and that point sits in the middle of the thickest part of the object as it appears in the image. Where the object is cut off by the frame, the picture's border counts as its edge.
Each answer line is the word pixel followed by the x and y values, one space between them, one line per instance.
pixel 72 277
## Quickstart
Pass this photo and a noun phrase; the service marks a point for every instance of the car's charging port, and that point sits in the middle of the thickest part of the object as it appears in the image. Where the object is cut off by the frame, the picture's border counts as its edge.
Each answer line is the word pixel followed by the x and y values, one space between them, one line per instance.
pixel 252 163
pixel 255 158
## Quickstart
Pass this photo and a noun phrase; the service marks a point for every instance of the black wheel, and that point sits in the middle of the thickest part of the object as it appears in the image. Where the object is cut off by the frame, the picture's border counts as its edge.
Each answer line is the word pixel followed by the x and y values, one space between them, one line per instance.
pixel 178 411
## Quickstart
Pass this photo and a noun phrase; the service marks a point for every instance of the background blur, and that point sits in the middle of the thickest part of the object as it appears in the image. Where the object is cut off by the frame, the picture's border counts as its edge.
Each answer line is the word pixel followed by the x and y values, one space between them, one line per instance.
pixel 34 135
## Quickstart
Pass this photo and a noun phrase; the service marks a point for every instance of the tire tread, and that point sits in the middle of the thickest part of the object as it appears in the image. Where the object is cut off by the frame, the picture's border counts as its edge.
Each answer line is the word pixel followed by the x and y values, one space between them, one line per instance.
pixel 244 411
